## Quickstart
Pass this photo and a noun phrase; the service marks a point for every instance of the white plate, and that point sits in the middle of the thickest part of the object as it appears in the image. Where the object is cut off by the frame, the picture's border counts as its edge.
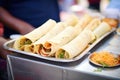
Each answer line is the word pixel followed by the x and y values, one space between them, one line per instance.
pixel 118 31
pixel 100 65
pixel 15 36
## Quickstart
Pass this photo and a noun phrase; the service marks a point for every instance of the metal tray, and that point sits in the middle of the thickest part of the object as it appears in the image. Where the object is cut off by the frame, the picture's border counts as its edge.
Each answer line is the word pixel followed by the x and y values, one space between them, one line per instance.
pixel 8 45
pixel 77 70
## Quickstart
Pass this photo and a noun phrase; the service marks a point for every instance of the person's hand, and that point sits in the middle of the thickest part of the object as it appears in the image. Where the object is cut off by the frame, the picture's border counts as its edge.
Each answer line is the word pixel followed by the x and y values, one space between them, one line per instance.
pixel 3 52
pixel 14 23
pixel 25 28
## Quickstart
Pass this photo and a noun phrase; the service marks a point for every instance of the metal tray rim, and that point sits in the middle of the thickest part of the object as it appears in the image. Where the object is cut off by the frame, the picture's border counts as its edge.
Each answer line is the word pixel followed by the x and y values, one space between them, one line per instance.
pixel 55 59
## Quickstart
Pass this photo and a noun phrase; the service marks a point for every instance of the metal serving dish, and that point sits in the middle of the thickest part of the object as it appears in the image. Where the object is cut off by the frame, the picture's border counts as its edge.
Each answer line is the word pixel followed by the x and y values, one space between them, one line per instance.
pixel 102 64
pixel 8 45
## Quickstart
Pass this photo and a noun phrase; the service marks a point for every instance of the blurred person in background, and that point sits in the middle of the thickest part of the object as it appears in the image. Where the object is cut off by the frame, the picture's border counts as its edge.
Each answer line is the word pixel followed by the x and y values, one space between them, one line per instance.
pixel 22 16
pixel 66 4
pixel 114 4
pixel 113 9
pixel 3 54
pixel 2 41
pixel 94 4
pixel 65 8
pixel 112 13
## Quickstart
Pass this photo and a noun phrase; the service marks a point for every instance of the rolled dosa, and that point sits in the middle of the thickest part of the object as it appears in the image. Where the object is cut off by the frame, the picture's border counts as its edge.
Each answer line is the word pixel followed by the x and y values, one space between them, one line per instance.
pixel 93 24
pixel 83 22
pixel 72 20
pixel 28 48
pixel 102 29
pixel 76 46
pixel 34 35
pixel 52 45
pixel 53 32
pixel 61 38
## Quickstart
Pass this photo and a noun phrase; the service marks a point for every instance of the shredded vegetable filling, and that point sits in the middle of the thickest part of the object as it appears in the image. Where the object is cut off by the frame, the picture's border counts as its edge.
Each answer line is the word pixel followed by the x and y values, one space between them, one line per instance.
pixel 62 54
pixel 27 42
pixel 105 59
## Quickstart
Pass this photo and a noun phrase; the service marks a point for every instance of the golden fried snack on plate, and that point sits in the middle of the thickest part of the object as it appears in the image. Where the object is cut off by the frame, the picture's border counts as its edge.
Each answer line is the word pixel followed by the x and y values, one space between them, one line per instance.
pixel 112 22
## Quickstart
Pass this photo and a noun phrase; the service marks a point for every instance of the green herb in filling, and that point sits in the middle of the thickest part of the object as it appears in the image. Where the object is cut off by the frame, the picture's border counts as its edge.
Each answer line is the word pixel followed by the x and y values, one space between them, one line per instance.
pixel 47 50
pixel 98 70
pixel 103 64
pixel 27 42
pixel 62 54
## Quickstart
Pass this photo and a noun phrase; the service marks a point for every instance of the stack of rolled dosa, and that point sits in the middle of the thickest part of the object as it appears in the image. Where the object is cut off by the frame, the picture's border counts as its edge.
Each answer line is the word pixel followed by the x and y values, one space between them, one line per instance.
pixel 65 40
pixel 76 46
pixel 52 45
pixel 60 26
pixel 34 35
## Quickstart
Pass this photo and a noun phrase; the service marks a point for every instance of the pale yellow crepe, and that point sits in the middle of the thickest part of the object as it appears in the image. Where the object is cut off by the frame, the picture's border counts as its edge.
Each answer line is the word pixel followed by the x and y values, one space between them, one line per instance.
pixel 72 20
pixel 53 32
pixel 83 22
pixel 93 24
pixel 34 35
pixel 28 48
pixel 62 38
pixel 76 46
pixel 102 29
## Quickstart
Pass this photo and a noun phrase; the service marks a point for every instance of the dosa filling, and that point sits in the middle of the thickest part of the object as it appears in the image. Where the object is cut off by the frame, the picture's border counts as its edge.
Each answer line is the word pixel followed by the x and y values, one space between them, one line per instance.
pixel 25 42
pixel 63 54
pixel 46 49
